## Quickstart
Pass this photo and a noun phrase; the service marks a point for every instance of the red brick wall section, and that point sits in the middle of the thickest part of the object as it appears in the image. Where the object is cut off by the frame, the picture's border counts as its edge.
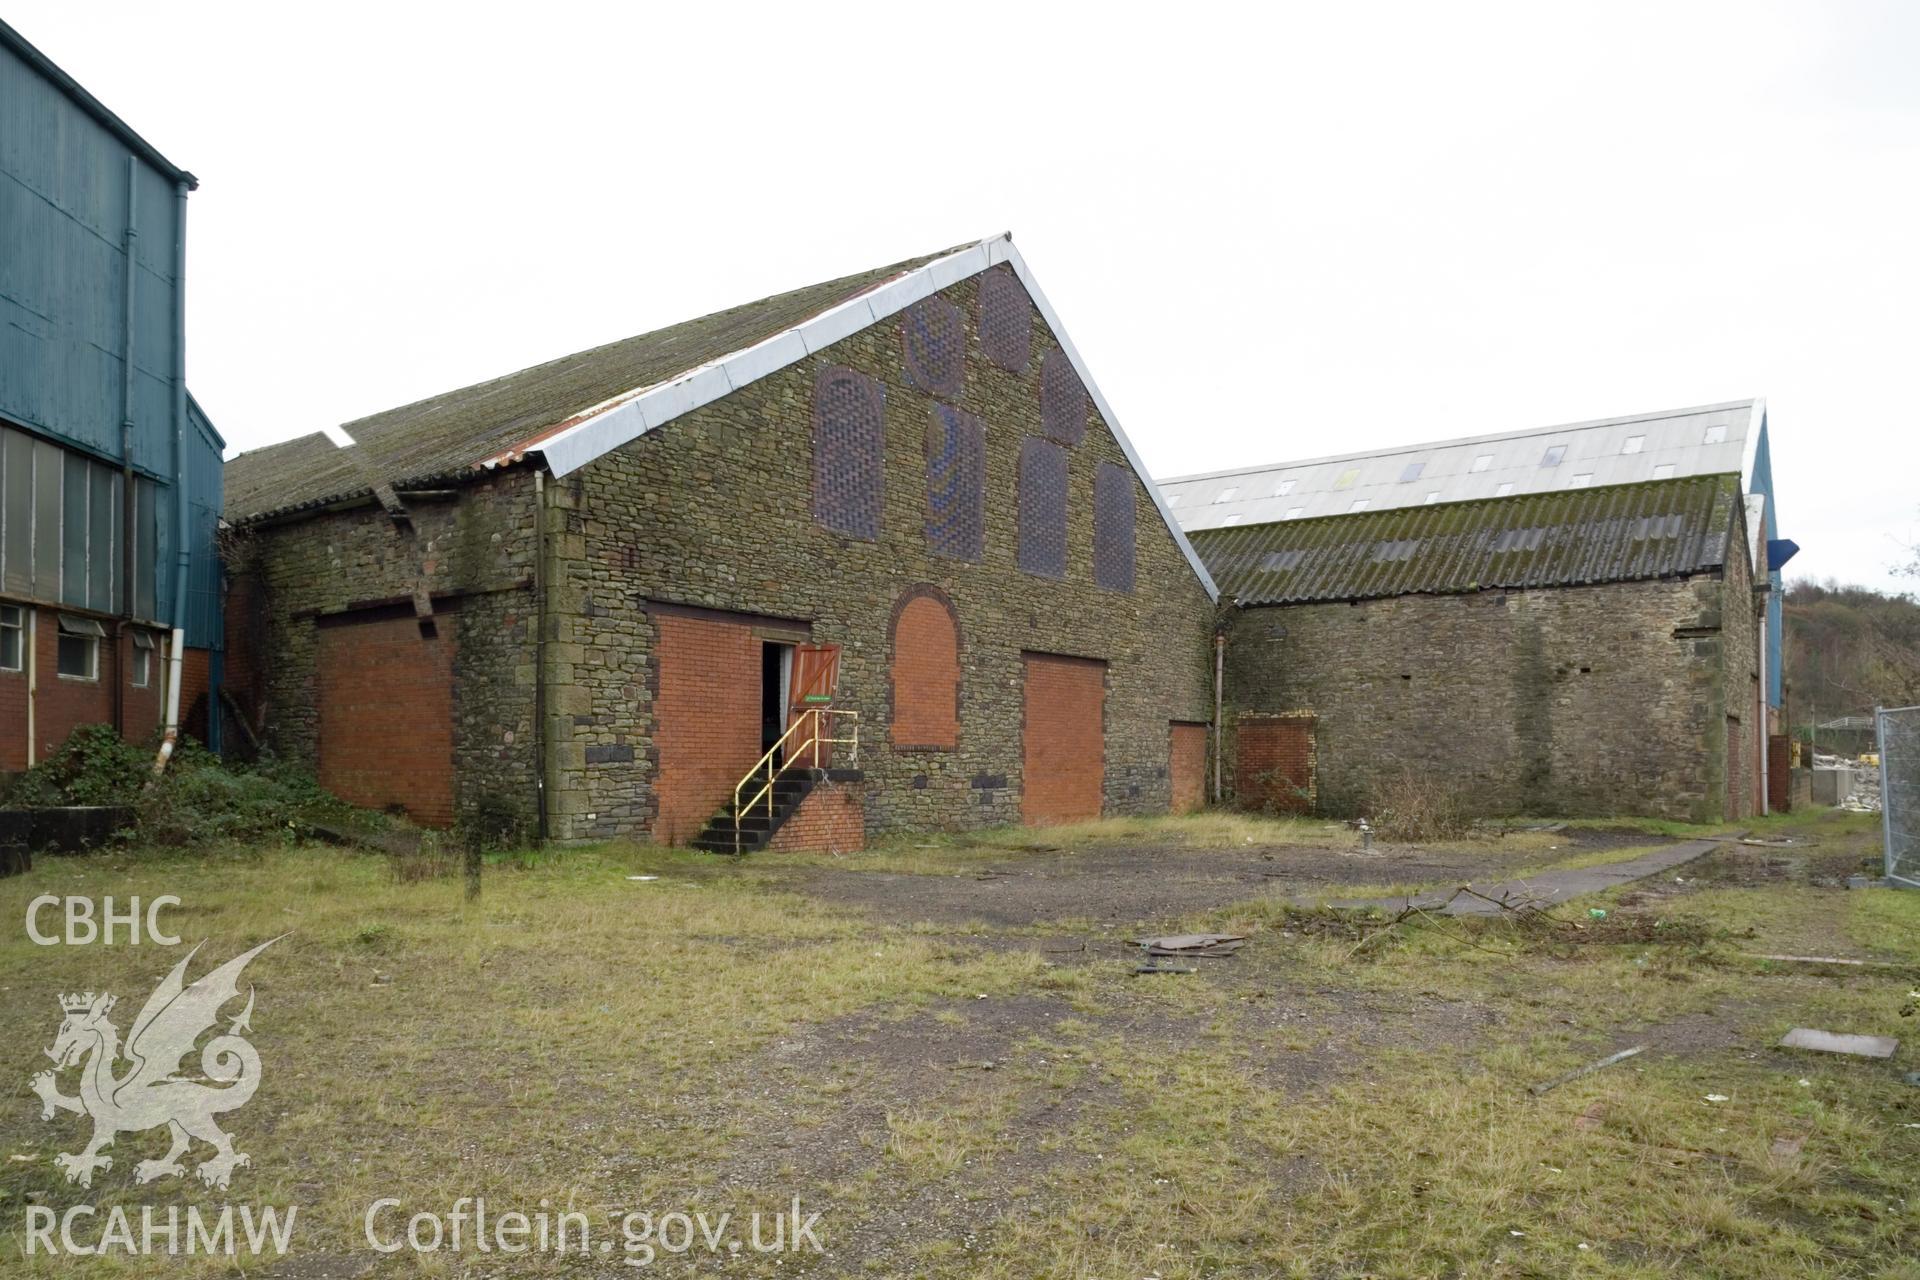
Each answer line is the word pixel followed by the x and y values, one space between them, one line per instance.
pixel 63 705
pixel 707 719
pixel 1274 763
pixel 1064 730
pixel 1779 763
pixel 1187 761
pixel 386 714
pixel 832 819
pixel 926 674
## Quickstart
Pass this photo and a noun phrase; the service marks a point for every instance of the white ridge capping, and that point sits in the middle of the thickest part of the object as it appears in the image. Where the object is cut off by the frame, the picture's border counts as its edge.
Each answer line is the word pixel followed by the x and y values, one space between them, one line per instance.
pixel 1756 419
pixel 633 414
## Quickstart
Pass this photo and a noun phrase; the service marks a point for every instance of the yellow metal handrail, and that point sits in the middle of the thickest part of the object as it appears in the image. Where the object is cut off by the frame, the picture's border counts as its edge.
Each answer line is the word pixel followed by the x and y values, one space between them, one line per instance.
pixel 808 749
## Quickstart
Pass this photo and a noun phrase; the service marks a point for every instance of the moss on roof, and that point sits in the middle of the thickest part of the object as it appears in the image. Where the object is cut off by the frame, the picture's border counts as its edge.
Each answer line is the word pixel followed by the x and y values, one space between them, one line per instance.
pixel 303 472
pixel 445 437
pixel 1615 533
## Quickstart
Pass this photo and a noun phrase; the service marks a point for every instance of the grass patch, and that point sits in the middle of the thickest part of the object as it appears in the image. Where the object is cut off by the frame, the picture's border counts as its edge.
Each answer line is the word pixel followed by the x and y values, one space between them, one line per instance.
pixel 710 1038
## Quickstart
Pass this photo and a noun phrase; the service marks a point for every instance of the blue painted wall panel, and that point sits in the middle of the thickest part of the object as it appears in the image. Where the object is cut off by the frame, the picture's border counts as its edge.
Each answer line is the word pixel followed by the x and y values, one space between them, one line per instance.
pixel 63 219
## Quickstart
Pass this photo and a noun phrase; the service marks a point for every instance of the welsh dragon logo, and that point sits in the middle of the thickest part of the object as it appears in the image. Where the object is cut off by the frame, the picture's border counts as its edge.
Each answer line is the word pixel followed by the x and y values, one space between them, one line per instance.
pixel 149 1094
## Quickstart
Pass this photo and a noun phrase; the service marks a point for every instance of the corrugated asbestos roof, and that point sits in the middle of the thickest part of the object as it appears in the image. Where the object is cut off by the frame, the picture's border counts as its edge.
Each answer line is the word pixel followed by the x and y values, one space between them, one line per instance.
pixel 1707 440
pixel 447 437
pixel 303 472
pixel 1617 533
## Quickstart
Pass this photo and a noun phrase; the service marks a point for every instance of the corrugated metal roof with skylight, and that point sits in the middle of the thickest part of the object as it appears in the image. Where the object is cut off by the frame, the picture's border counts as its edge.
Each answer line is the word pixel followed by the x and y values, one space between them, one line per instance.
pixel 1610 533
pixel 1708 440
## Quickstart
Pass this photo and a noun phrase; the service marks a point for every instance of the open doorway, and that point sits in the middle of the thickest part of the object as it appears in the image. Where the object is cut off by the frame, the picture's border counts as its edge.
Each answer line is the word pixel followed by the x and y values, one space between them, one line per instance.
pixel 776 687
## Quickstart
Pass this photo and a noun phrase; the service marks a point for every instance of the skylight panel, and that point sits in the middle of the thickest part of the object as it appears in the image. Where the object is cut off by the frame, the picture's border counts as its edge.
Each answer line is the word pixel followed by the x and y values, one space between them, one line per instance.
pixel 1717 434
pixel 1294 513
pixel 1412 472
pixel 1235 518
pixel 1432 498
pixel 1664 471
pixel 1173 499
pixel 1553 455
pixel 1281 561
pixel 1226 494
pixel 1482 462
pixel 1582 481
pixel 1398 549
pixel 1346 478
pixel 1634 444
pixel 1360 504
pixel 1506 487
pixel 1284 488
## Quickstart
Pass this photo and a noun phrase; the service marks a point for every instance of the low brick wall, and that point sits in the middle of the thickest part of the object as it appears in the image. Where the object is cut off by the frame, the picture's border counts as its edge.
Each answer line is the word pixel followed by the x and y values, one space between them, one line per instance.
pixel 832 819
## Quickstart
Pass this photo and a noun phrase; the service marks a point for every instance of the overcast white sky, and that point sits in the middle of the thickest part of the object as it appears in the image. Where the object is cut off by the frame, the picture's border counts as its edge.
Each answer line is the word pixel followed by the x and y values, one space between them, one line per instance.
pixel 1274 231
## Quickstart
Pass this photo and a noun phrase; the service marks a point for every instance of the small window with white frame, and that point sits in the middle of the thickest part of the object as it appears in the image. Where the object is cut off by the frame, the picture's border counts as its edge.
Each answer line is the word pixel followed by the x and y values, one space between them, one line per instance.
pixel 78 656
pixel 143 647
pixel 13 637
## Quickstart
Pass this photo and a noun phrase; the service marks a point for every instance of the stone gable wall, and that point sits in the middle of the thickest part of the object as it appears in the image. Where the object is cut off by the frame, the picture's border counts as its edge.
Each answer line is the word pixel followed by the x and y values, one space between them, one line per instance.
pixel 476 546
pixel 717 509
pixel 1571 701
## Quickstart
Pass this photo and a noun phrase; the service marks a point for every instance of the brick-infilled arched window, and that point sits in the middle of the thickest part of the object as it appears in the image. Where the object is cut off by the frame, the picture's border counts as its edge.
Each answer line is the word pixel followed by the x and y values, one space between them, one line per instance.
pixel 925 644
pixel 849 440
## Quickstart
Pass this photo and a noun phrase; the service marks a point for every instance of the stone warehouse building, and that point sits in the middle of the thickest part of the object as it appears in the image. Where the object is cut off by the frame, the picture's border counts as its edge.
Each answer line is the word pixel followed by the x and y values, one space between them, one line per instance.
pixel 587 597
pixel 1593 650
pixel 1730 438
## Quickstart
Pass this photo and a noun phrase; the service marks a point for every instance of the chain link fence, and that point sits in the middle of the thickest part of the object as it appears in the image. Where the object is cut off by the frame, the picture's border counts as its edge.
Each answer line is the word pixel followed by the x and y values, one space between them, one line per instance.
pixel 1898 732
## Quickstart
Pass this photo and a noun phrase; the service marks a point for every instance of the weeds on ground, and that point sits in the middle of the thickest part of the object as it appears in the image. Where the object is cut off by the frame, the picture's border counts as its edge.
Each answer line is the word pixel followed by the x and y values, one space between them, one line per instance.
pixel 1410 807
pixel 198 801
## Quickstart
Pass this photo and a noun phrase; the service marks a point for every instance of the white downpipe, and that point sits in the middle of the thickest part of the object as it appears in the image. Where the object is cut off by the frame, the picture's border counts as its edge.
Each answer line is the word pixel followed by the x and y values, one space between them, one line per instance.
pixel 33 683
pixel 176 651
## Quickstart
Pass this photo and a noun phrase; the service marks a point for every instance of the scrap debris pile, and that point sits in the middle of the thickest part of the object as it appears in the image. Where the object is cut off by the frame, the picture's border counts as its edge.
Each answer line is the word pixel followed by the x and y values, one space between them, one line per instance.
pixel 1864 794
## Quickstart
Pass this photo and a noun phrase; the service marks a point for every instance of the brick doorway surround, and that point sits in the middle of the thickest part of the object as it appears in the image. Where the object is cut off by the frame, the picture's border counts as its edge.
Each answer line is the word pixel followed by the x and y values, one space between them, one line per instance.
pixel 1064 740
pixel 385 695
pixel 1274 762
pixel 1187 765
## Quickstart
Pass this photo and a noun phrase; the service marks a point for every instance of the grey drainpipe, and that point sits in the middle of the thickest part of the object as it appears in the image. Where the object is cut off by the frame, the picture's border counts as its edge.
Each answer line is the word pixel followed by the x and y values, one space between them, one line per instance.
pixel 181 555
pixel 126 467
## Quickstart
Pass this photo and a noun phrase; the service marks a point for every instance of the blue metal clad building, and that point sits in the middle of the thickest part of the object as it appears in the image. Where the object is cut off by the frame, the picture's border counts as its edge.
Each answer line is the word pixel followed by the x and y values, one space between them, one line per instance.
pixel 96 428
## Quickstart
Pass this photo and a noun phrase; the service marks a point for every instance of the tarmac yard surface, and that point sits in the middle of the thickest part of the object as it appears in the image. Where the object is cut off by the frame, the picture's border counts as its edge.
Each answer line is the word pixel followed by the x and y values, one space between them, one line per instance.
pixel 948 1055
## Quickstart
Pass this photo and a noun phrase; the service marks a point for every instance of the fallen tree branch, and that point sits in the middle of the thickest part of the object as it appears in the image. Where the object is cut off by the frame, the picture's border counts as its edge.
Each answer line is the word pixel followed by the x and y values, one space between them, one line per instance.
pixel 1589 1069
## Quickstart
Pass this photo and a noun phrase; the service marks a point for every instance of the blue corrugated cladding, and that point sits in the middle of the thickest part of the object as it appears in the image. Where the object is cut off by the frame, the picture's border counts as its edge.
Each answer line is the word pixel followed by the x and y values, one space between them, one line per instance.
pixel 63 222
pixel 1762 482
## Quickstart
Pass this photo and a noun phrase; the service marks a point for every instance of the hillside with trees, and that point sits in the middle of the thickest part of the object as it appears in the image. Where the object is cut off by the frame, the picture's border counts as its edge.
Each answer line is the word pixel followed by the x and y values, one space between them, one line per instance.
pixel 1848 650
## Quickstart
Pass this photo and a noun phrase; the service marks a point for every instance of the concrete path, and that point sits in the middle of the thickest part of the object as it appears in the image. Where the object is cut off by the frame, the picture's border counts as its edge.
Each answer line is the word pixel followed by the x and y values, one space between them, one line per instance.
pixel 1548 886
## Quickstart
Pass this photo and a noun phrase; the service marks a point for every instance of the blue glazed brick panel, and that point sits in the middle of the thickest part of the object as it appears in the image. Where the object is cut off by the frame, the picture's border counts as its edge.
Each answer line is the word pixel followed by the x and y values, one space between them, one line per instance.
pixel 956 483
pixel 1113 527
pixel 933 339
pixel 1043 508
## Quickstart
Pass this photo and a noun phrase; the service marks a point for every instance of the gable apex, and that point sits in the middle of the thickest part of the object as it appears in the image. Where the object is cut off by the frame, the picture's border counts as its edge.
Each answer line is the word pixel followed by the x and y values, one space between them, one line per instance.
pixel 626 417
